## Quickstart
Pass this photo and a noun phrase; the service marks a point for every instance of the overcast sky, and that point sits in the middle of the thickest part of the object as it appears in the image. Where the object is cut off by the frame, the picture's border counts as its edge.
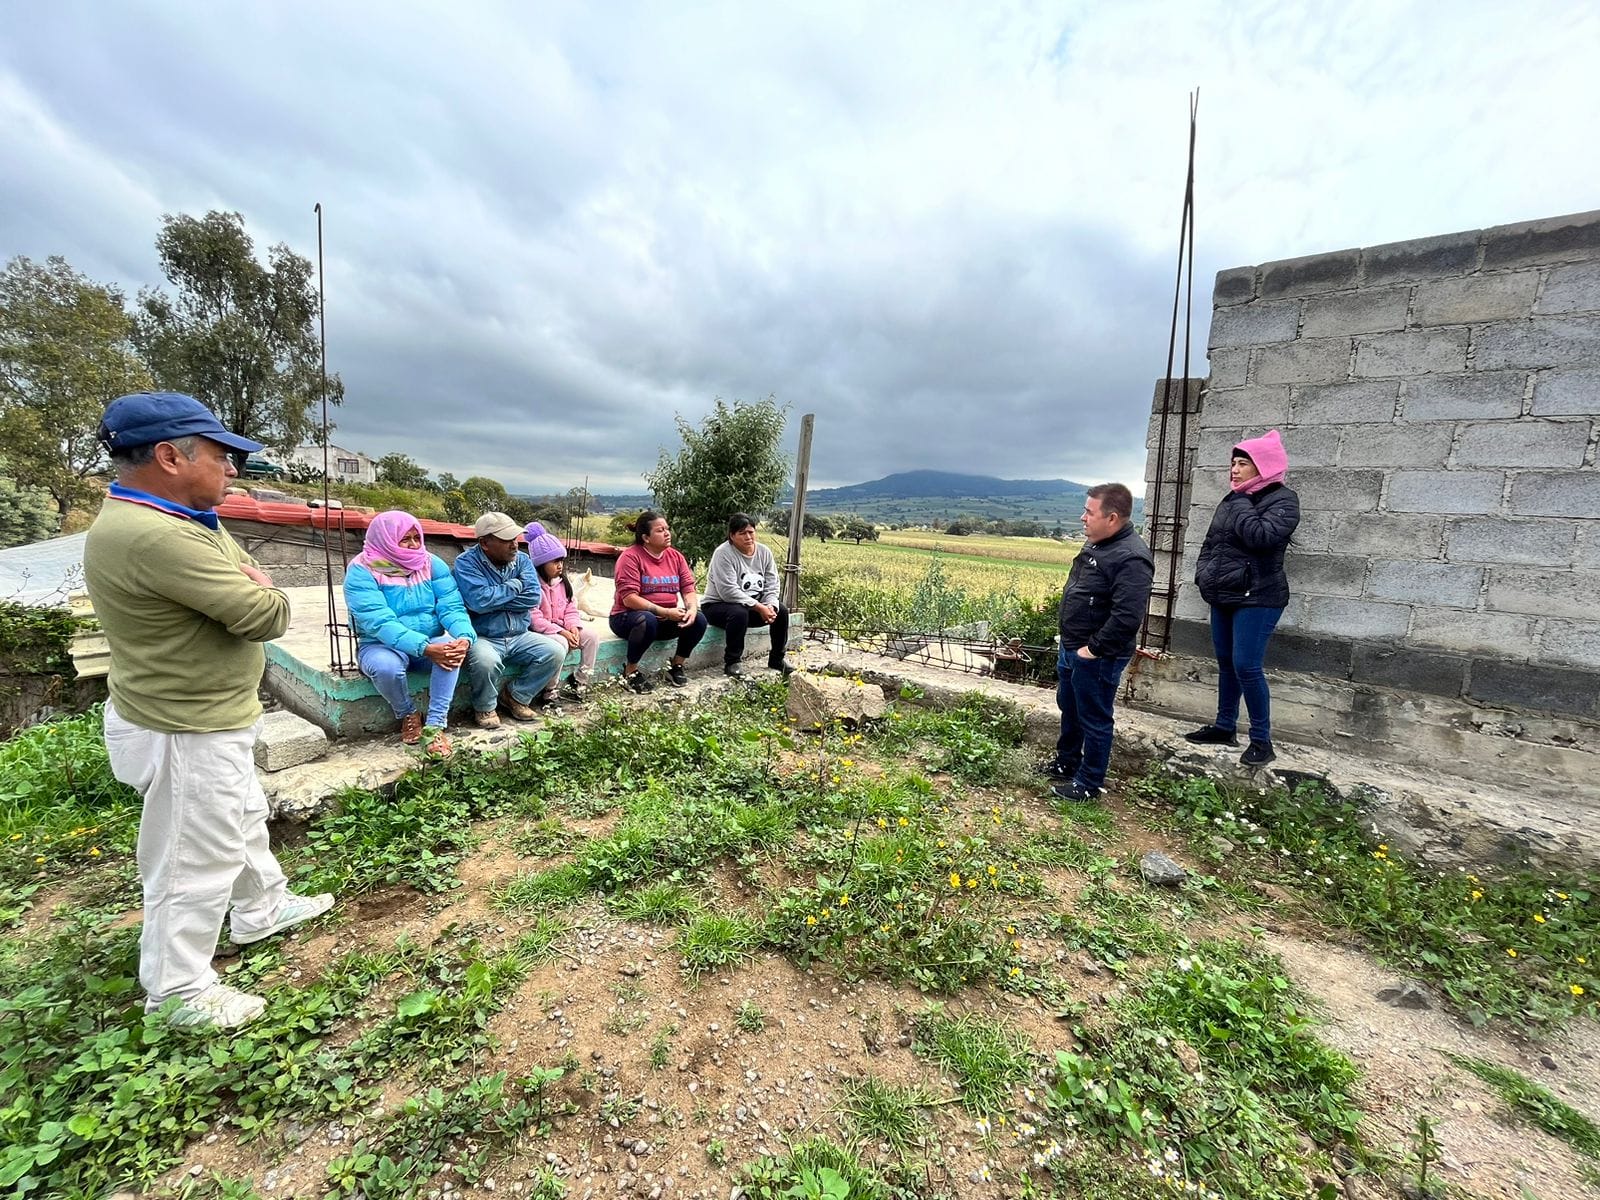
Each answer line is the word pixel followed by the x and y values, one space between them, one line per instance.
pixel 949 230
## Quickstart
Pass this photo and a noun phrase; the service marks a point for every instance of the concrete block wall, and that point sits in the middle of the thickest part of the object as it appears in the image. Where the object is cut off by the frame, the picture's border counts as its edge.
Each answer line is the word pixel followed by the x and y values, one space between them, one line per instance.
pixel 1440 400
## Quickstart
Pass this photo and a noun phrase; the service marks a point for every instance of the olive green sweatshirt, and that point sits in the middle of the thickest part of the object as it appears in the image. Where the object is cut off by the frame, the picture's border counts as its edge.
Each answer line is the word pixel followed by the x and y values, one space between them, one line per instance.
pixel 185 625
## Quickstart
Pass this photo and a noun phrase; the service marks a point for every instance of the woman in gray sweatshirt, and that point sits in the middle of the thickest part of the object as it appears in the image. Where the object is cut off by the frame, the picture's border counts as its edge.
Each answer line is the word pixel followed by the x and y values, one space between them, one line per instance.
pixel 742 590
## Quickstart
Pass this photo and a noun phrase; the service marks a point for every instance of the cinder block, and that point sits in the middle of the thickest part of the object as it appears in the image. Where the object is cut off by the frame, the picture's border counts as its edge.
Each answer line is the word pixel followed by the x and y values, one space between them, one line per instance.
pixel 1239 408
pixel 1588 554
pixel 1311 445
pixel 1420 258
pixel 1350 618
pixel 1534 443
pixel 1470 493
pixel 1415 536
pixel 1504 297
pixel 1498 634
pixel 1255 323
pixel 1216 446
pixel 287 740
pixel 1314 534
pixel 1576 643
pixel 1414 352
pixel 1529 685
pixel 1426 584
pixel 1234 286
pixel 1394 445
pixel 1556 494
pixel 1409 669
pixel 1325 574
pixel 1315 360
pixel 1562 393
pixel 1229 368
pixel 1571 290
pixel 1468 397
pixel 1313 273
pixel 1367 310
pixel 1543 593
pixel 1293 649
pixel 1499 542
pixel 1338 489
pixel 1191 605
pixel 1344 403
pixel 1572 238
pixel 1537 343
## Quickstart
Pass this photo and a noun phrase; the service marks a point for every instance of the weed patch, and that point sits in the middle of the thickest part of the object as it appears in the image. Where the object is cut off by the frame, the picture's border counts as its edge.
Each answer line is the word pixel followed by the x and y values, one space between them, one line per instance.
pixel 1536 1104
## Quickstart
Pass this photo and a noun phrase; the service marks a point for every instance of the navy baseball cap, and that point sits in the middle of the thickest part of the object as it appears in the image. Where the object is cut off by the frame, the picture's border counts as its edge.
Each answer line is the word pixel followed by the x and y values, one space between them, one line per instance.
pixel 145 418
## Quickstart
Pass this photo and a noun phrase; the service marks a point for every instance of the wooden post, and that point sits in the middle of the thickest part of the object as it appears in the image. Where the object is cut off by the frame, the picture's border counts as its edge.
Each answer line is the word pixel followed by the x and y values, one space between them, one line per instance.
pixel 790 594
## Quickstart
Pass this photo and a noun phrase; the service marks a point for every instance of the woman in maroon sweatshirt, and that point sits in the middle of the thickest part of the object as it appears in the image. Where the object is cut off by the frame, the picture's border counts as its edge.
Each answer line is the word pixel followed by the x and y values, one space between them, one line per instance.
pixel 655 600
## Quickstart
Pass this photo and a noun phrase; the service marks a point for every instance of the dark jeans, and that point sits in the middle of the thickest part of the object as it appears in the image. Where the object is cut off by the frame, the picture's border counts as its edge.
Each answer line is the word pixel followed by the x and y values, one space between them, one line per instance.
pixel 1086 690
pixel 1240 637
pixel 737 619
pixel 643 629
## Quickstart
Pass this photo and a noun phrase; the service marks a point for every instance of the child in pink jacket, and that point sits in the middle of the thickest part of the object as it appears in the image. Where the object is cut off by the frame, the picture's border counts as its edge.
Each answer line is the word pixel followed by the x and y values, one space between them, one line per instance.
pixel 557 617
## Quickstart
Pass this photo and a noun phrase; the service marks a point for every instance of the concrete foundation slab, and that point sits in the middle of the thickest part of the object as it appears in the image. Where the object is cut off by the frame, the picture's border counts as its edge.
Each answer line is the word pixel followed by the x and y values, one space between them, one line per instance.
pixel 287 740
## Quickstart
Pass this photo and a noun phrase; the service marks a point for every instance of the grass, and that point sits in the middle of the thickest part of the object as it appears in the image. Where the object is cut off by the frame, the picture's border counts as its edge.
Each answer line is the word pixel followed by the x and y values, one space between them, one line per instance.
pixel 749 1017
pixel 1535 1104
pixel 885 1113
pixel 987 1059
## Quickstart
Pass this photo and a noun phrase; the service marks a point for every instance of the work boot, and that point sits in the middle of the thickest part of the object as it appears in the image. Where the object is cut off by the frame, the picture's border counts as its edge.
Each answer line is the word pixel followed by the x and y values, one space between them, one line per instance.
pixel 486 720
pixel 1257 754
pixel 516 709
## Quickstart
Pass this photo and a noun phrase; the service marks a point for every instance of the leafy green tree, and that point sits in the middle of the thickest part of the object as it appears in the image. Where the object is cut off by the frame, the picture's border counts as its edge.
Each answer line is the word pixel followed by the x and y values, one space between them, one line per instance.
pixel 485 495
pixel 239 335
pixel 819 527
pixel 448 482
pixel 859 530
pixel 402 470
pixel 26 514
pixel 66 351
pixel 730 464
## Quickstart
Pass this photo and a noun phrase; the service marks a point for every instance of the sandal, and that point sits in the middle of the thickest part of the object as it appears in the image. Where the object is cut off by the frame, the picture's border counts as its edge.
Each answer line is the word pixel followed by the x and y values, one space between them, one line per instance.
pixel 411 728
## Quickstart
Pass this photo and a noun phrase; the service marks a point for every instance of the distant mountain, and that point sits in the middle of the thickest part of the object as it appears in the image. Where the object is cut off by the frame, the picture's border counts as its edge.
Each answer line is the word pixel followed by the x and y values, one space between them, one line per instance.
pixel 906 485
pixel 914 497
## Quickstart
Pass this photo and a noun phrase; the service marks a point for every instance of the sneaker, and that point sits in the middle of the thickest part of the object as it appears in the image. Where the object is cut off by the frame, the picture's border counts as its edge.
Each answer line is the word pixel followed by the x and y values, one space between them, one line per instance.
pixel 515 709
pixel 1212 735
pixel 573 692
pixel 783 665
pixel 1075 791
pixel 733 669
pixel 486 720
pixel 1054 768
pixel 411 728
pixel 218 1007
pixel 676 676
pixel 1257 754
pixel 638 683
pixel 438 743
pixel 291 912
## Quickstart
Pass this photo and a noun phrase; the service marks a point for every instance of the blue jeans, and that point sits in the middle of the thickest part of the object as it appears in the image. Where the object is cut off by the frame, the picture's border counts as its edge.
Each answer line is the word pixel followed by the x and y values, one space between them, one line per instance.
pixel 530 660
pixel 387 668
pixel 643 629
pixel 1086 691
pixel 1240 637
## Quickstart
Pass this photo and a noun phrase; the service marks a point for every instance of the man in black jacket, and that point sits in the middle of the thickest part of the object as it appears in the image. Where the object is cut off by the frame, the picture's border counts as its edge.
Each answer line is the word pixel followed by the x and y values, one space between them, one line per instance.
pixel 1102 607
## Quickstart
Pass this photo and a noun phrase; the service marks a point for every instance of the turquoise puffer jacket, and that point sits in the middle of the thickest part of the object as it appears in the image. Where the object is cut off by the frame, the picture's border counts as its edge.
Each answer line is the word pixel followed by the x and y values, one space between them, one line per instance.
pixel 405 618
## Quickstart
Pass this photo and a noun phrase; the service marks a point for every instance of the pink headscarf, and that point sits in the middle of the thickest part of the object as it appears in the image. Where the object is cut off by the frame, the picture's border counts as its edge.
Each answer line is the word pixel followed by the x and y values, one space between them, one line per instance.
pixel 1270 458
pixel 389 561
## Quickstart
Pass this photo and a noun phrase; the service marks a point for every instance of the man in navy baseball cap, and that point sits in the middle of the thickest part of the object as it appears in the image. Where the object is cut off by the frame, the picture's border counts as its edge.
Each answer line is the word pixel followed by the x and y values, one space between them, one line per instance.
pixel 145 418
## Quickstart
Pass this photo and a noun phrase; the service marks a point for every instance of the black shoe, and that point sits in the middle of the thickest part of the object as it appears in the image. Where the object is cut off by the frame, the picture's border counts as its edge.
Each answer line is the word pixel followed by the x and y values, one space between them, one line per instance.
pixel 784 665
pixel 573 692
pixel 637 682
pixel 733 670
pixel 1054 768
pixel 1257 754
pixel 1211 735
pixel 1075 792
pixel 675 675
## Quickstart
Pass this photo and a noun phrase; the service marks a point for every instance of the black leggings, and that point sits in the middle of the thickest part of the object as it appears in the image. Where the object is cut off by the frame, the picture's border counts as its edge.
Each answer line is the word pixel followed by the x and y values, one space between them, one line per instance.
pixel 736 619
pixel 643 629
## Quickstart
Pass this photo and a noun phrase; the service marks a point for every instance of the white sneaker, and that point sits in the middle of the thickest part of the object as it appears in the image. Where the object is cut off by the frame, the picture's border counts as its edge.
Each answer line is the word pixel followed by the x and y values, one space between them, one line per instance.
pixel 220 1007
pixel 291 912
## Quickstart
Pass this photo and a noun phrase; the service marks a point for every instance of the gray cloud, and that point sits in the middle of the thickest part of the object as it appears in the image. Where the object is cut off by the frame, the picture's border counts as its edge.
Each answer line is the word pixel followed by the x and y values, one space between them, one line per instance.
pixel 947 230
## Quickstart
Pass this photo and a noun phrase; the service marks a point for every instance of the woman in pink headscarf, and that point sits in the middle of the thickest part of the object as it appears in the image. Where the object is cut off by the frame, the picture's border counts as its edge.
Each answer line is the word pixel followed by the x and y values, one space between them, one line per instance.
pixel 1240 574
pixel 407 613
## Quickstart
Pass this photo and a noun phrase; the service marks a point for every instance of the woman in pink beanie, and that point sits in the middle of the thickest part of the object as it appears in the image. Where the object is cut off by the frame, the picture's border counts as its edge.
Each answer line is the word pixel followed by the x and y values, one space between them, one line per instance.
pixel 1240 574
pixel 558 618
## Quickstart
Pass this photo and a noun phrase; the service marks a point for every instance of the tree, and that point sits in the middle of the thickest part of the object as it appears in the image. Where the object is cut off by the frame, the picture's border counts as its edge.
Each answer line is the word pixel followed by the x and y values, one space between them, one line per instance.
pixel 817 527
pixel 485 495
pixel 66 351
pixel 27 514
pixel 448 482
pixel 729 464
pixel 860 530
pixel 401 470
pixel 238 335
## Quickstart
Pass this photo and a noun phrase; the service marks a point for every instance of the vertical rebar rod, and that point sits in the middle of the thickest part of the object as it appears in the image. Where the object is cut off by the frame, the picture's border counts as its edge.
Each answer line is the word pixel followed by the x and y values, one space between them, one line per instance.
pixel 336 661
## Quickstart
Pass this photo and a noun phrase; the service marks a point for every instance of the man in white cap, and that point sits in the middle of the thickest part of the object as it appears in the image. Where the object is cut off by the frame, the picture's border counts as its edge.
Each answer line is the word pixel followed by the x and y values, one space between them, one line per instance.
pixel 185 612
pixel 509 664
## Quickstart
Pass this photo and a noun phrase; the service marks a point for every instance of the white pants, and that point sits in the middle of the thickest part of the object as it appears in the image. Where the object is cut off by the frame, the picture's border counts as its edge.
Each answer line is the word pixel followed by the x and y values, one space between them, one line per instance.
pixel 589 648
pixel 202 848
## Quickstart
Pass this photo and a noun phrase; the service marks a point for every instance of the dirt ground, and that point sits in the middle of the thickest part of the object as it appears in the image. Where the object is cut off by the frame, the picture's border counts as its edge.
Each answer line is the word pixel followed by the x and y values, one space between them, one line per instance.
pixel 724 1095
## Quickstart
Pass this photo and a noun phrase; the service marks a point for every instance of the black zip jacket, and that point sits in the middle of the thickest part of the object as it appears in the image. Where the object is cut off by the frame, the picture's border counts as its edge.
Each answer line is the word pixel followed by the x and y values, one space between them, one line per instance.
pixel 1107 592
pixel 1241 560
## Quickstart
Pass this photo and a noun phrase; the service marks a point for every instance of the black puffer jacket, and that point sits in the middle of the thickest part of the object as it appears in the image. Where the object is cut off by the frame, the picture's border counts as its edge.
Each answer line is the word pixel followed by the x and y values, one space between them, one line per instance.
pixel 1241 561
pixel 1107 592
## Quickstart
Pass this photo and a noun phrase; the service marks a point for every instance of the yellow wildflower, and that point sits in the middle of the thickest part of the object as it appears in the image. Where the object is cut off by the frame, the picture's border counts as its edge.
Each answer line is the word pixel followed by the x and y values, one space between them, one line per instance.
pixel 1511 952
pixel 38 858
pixel 903 822
pixel 94 851
pixel 1575 989
pixel 992 869
pixel 955 879
pixel 1476 894
pixel 972 883
pixel 847 762
pixel 1538 918
pixel 844 899
pixel 827 912
pixel 883 823
pixel 1015 971
pixel 810 920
